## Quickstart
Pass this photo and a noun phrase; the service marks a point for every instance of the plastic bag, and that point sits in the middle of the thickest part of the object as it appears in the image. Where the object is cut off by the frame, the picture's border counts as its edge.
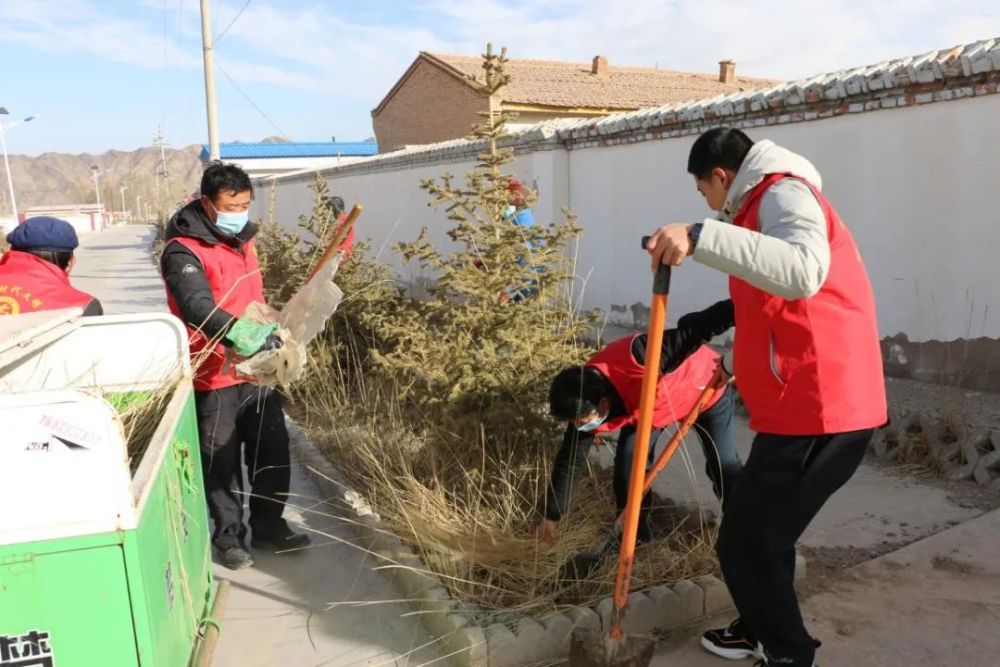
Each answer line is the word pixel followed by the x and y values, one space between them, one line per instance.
pixel 301 320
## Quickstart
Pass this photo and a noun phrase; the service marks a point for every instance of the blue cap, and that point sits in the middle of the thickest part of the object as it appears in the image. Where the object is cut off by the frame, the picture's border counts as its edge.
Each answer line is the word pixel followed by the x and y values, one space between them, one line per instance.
pixel 44 233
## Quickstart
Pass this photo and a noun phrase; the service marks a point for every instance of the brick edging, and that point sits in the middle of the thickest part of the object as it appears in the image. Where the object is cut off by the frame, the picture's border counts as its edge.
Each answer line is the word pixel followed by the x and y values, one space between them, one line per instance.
pixel 530 640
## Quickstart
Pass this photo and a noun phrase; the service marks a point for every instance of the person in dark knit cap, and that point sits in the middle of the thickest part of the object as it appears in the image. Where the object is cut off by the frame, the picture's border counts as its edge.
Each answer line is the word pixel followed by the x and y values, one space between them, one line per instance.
pixel 34 273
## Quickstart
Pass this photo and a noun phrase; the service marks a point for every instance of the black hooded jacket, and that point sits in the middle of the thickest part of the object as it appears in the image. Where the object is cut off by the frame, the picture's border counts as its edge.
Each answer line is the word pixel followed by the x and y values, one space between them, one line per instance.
pixel 185 276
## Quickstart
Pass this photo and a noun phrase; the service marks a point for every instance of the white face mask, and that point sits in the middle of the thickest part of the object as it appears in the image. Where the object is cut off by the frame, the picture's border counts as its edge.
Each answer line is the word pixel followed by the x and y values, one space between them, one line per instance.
pixel 231 223
pixel 592 424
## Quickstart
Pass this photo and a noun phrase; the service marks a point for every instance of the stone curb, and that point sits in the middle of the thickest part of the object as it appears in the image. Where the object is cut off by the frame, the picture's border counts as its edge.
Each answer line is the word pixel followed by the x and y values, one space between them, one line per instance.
pixel 524 641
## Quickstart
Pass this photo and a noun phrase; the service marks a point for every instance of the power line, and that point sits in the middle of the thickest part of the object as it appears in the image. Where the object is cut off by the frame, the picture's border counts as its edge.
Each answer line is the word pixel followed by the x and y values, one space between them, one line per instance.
pixel 235 18
pixel 247 98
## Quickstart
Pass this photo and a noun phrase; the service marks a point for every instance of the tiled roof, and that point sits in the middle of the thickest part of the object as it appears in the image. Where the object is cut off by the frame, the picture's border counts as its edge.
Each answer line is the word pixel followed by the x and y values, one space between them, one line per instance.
pixel 933 67
pixel 572 85
pixel 235 151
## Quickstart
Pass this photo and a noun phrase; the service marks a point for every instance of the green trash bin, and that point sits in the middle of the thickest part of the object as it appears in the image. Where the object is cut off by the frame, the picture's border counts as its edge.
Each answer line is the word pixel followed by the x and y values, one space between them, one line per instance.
pixel 104 559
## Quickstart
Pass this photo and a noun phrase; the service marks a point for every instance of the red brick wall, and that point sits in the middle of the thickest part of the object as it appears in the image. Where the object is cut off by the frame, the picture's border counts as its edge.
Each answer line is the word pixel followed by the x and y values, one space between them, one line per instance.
pixel 430 106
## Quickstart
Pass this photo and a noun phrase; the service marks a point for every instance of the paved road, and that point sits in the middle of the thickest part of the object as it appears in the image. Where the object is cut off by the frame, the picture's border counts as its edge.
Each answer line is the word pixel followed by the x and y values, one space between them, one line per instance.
pixel 279 612
pixel 115 266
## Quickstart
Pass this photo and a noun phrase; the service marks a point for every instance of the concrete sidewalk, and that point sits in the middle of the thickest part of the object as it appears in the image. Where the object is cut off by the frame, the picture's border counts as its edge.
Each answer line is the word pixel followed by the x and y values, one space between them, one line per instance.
pixel 116 267
pixel 324 605
pixel 280 612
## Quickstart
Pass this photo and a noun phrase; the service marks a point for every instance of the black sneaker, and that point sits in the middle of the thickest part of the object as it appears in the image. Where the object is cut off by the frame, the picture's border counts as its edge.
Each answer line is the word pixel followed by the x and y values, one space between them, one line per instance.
pixel 732 643
pixel 767 660
pixel 282 539
pixel 236 558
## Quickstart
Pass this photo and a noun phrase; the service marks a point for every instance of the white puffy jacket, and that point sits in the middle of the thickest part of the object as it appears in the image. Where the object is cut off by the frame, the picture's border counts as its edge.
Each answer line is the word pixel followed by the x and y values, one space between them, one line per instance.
pixel 790 255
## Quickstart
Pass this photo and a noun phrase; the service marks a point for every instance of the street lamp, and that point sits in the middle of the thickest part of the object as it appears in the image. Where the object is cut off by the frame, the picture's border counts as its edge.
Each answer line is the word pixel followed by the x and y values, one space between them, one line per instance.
pixel 6 162
pixel 122 189
pixel 96 171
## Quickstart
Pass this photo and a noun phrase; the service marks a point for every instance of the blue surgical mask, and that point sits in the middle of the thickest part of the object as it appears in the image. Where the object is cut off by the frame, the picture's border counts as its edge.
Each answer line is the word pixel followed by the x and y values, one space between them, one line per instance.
pixel 508 212
pixel 231 223
pixel 592 424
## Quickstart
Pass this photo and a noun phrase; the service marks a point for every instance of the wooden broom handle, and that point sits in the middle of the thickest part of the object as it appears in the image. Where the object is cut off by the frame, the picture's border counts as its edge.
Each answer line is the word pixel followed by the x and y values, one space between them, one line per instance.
pixel 338 238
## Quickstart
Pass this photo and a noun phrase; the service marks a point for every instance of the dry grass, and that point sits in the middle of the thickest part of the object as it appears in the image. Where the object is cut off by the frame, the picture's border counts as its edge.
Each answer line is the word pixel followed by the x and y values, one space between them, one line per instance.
pixel 922 445
pixel 470 513
pixel 140 413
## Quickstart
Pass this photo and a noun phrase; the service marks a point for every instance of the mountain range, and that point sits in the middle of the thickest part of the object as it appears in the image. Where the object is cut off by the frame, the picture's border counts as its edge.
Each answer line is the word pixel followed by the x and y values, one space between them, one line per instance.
pixel 60 178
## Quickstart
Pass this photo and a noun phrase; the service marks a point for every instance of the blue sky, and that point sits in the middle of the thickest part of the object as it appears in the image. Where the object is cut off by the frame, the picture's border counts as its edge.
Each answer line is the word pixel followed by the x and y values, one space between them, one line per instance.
pixel 103 74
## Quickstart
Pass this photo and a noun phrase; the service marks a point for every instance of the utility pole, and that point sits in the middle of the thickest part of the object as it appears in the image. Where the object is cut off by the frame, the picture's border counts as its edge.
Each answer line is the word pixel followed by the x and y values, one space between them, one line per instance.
pixel 161 170
pixel 206 44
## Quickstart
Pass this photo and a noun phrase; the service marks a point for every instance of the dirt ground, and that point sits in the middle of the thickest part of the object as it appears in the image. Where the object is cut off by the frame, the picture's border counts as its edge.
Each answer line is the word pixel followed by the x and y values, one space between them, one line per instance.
pixel 903 569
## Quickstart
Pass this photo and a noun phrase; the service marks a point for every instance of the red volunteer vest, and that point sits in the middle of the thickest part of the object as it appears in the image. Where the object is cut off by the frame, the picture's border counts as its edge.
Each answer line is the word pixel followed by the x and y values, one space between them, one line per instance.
pixel 29 283
pixel 676 392
pixel 810 366
pixel 234 277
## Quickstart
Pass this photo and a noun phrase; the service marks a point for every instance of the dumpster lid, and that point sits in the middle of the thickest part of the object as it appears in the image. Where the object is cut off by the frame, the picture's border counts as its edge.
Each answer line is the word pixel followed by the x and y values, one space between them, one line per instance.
pixel 63 467
pixel 24 334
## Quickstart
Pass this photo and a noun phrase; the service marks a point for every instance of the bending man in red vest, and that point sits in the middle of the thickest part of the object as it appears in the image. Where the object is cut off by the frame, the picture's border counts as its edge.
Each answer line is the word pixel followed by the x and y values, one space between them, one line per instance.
pixel 603 397
pixel 34 273
pixel 210 268
pixel 807 363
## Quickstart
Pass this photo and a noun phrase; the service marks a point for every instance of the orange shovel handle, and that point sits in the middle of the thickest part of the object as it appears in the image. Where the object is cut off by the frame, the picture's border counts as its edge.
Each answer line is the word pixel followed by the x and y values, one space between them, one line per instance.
pixel 650 378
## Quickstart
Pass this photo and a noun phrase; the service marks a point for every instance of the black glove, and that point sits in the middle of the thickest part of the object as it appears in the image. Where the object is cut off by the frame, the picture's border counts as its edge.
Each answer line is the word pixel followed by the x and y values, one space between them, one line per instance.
pixel 272 342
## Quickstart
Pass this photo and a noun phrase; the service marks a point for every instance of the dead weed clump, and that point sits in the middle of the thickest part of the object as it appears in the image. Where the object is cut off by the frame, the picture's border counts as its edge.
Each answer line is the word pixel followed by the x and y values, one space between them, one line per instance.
pixel 927 446
pixel 469 513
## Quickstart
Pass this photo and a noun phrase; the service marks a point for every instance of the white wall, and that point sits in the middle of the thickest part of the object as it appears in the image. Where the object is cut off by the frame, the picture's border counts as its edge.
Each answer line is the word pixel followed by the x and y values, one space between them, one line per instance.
pixel 917 186
pixel 395 208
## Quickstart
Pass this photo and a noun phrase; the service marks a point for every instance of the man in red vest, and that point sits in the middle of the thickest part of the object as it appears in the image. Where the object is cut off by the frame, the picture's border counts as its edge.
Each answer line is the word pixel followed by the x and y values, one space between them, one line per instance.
pixel 603 397
pixel 807 363
pixel 34 273
pixel 210 268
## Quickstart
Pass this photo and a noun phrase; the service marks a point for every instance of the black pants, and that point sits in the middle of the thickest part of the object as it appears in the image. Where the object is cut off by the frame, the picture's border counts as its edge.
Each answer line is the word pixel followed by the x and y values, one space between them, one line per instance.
pixel 785 482
pixel 238 425
pixel 722 464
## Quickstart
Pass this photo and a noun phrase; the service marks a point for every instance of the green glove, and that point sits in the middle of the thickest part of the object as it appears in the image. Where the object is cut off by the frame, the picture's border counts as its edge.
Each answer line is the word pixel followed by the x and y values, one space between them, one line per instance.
pixel 248 336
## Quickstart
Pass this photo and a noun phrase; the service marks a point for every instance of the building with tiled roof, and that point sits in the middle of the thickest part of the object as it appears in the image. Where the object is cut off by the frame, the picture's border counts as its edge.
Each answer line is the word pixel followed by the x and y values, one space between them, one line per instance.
pixel 435 100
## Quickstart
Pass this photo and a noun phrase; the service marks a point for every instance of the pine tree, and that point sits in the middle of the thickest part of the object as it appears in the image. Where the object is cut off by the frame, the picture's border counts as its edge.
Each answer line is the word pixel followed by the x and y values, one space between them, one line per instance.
pixel 477 356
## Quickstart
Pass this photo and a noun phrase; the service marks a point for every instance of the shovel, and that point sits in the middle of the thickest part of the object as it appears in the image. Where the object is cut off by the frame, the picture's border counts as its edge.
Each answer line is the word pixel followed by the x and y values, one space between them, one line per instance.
pixel 590 648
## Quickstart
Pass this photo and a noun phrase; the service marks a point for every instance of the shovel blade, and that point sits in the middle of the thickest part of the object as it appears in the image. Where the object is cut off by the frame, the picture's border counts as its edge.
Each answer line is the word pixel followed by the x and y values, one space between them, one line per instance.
pixel 590 648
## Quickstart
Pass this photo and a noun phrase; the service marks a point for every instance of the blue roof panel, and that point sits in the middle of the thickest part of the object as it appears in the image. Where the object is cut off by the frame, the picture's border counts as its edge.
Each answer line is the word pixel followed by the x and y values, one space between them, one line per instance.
pixel 236 151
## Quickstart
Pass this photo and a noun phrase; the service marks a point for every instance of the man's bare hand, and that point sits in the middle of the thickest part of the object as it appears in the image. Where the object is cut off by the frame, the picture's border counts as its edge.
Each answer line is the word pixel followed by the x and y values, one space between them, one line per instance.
pixel 670 245
pixel 547 531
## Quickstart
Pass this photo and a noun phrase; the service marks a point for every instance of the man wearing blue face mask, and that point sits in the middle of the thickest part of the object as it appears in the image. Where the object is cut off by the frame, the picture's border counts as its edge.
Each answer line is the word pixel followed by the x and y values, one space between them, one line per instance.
pixel 210 268
pixel 603 395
